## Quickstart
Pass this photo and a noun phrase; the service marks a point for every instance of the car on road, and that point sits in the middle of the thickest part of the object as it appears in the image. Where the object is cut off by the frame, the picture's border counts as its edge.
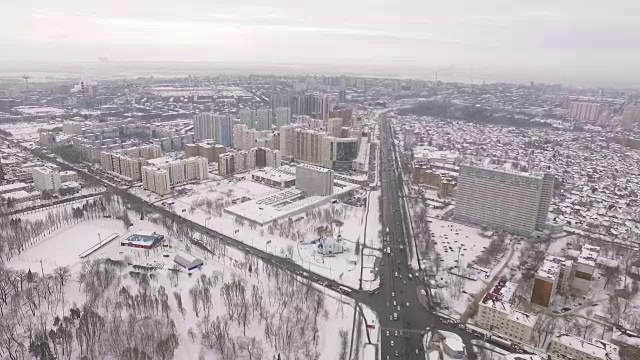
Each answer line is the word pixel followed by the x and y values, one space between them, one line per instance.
pixel 393 294
pixel 391 343
pixel 387 332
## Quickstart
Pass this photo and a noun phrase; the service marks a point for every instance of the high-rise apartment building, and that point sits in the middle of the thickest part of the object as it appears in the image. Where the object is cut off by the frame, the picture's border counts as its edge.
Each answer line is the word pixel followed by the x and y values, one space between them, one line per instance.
pixel 497 194
pixel 308 145
pixel 156 180
pixel 334 126
pixel 248 117
pixel 345 113
pixel 314 180
pixel 283 116
pixel 128 162
pixel 176 171
pixel 213 126
pixel 584 111
pixel 339 153
pixel 342 96
pixel 245 138
pixel 408 136
pixel 553 276
pixel 45 178
pixel 264 119
pixel 241 161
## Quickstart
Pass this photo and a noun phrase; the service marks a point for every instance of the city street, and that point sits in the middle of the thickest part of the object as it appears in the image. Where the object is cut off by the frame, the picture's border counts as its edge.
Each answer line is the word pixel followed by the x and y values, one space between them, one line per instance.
pixel 402 315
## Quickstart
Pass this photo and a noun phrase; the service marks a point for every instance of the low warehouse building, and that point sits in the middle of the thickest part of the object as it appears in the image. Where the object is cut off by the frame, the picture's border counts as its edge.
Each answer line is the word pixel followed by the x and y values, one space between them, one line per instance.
pixel 187 261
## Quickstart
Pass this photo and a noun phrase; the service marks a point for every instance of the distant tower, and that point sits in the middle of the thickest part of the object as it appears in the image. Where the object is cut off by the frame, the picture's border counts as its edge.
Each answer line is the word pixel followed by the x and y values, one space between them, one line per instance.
pixel 26 80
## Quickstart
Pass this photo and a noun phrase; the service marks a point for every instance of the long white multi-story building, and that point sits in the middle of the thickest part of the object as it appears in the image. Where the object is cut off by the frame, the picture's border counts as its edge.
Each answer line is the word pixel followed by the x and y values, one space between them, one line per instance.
pixel 240 161
pixel 497 194
pixel 245 138
pixel 314 180
pixel 565 346
pixel 584 111
pixel 45 178
pixel 129 162
pixel 161 174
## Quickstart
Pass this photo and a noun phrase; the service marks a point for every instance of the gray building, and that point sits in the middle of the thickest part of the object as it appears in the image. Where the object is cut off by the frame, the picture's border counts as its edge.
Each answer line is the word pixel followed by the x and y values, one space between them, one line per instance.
pixel 500 196
pixel 314 180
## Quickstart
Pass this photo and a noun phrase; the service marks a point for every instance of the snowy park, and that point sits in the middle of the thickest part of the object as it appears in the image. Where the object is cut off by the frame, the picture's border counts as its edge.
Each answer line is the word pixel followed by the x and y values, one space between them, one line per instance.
pixel 233 306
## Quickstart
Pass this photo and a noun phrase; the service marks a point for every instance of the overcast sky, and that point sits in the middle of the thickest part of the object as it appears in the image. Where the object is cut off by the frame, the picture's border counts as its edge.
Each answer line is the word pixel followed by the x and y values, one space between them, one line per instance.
pixel 558 36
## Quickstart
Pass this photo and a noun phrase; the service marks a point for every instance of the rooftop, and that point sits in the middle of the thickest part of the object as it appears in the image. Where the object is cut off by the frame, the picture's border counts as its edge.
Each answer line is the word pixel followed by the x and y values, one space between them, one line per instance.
pixel 313 167
pixel 551 267
pixel 282 173
pixel 589 255
pixel 598 348
pixel 502 165
pixel 14 186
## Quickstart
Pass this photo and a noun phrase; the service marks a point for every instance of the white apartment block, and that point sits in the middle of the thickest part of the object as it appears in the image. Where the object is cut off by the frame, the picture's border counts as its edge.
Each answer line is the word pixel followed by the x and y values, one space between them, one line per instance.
pixel 128 162
pixel 584 111
pixel 499 196
pixel 248 117
pixel 156 180
pixel 564 347
pixel 496 313
pixel 68 176
pixel 288 139
pixel 175 171
pixel 334 126
pixel 283 116
pixel 408 138
pixel 245 138
pixel 45 178
pixel 314 180
pixel 245 160
pixel 264 119
pixel 585 267
pixel 213 126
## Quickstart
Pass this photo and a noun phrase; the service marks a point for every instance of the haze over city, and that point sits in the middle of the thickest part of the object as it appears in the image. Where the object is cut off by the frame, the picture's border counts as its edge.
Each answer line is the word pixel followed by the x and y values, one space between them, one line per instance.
pixel 572 42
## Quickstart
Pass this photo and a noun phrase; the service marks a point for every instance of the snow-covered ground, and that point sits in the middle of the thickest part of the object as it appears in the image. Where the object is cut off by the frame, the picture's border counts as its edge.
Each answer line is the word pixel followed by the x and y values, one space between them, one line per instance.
pixel 27 130
pixel 228 266
pixel 204 204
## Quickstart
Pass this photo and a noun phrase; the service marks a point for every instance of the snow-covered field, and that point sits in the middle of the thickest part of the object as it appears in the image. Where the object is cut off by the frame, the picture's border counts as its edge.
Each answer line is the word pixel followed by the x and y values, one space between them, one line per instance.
pixel 283 314
pixel 27 130
pixel 204 204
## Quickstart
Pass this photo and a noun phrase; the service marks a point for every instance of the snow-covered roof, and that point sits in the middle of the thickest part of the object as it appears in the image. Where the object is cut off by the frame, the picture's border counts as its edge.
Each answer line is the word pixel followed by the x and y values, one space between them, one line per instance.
pixel 21 194
pixel 14 186
pixel 551 267
pixel 187 260
pixel 143 238
pixel 588 255
pixel 598 348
